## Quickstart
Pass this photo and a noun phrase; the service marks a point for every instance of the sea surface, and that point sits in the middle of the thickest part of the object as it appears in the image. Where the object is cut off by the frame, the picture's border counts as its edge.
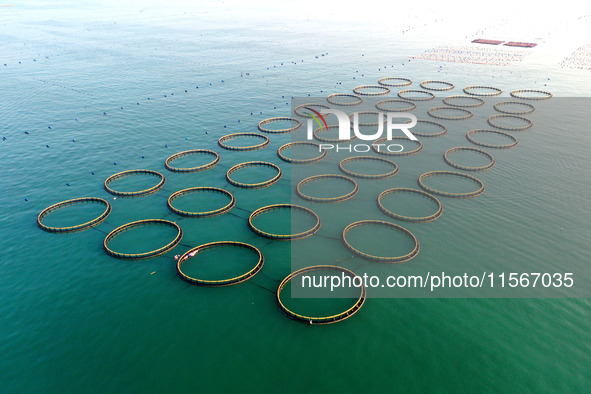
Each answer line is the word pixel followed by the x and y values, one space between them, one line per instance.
pixel 89 89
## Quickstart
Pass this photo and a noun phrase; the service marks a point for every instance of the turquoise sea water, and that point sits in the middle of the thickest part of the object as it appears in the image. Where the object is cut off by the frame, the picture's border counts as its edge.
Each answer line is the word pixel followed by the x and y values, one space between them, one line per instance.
pixel 99 84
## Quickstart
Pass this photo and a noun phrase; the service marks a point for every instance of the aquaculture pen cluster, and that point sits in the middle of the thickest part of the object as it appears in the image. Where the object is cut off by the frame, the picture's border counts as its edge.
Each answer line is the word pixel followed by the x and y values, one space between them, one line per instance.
pixel 474 55
pixel 580 59
pixel 456 104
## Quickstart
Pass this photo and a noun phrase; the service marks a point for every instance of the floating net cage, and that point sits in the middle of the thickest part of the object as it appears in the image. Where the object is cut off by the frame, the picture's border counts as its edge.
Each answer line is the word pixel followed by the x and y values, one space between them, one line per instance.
pixel 315 319
pixel 344 99
pixel 463 101
pixel 395 105
pixel 223 142
pixel 468 194
pixel 69 203
pixel 488 156
pixel 416 95
pixel 371 90
pixel 482 90
pixel 436 85
pixel 142 255
pixel 531 94
pixel 215 158
pixel 526 108
pixel 210 192
pixel 510 119
pixel 136 193
pixel 447 113
pixel 326 189
pixel 471 136
pixel 395 82
pixel 374 256
pixel 438 211
pixel 299 157
pixel 198 251
pixel 269 209
pixel 295 124
pixel 254 185
pixel 366 162
pixel 428 128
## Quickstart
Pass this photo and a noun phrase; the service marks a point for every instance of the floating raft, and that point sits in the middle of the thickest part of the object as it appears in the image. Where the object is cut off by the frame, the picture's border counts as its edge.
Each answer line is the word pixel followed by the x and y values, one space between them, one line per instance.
pixel 508 43
pixel 485 41
pixel 520 44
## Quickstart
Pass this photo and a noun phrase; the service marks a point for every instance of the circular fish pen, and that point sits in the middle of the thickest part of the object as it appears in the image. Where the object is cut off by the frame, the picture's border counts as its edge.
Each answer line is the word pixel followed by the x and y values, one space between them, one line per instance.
pixel 468 149
pixel 223 141
pixel 538 94
pixel 387 174
pixel 220 282
pixel 423 95
pixel 374 257
pixel 446 85
pixel 215 160
pixel 371 90
pixel 527 110
pixel 469 194
pixel 77 227
pixel 324 177
pixel 291 236
pixel 352 99
pixel 382 105
pixel 194 190
pixel 419 219
pixel 471 133
pixel 395 82
pixel 466 114
pixel 442 129
pixel 482 90
pixel 140 223
pixel 320 319
pixel 262 125
pixel 455 101
pixel 382 141
pixel 492 121
pixel 128 173
pixel 290 145
pixel 256 185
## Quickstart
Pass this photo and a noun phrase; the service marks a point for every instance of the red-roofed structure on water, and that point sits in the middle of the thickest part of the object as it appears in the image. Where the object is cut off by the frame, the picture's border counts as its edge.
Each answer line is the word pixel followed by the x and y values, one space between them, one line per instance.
pixel 485 41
